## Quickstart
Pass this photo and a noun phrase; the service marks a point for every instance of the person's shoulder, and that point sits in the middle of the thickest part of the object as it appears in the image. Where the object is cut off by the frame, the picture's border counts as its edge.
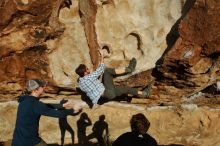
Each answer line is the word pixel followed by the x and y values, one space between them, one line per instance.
pixel 84 78
pixel 38 104
pixel 22 98
pixel 150 139
pixel 124 140
pixel 126 135
pixel 148 136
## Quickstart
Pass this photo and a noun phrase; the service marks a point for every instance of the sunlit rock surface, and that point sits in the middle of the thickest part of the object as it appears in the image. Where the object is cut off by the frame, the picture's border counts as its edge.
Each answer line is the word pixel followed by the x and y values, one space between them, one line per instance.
pixel 48 39
pixel 176 43
pixel 187 124
pixel 135 29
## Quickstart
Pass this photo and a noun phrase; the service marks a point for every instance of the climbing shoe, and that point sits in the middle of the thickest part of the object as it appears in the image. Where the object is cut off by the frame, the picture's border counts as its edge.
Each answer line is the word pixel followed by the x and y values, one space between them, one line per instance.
pixel 147 91
pixel 131 67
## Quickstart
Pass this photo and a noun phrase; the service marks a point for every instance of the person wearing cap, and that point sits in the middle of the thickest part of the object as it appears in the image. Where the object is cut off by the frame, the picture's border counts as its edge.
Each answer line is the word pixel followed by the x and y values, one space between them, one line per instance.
pixel 29 112
pixel 138 135
pixel 95 89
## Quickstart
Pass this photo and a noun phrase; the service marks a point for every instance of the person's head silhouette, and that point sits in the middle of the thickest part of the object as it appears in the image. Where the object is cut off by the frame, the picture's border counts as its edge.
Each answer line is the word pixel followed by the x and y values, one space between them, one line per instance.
pixel 139 123
pixel 138 135
pixel 84 116
pixel 102 118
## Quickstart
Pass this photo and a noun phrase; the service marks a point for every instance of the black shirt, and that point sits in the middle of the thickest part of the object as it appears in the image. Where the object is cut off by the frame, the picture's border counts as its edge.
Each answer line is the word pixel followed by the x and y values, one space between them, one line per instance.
pixel 134 139
pixel 27 123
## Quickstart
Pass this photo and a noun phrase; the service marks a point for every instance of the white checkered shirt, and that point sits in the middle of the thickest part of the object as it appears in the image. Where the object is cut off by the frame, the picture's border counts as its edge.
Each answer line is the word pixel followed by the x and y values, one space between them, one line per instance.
pixel 91 85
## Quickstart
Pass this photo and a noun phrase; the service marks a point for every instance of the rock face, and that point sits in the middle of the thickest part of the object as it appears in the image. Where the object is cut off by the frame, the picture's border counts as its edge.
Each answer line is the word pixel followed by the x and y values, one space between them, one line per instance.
pixel 25 26
pixel 176 43
pixel 49 42
pixel 192 63
pixel 48 39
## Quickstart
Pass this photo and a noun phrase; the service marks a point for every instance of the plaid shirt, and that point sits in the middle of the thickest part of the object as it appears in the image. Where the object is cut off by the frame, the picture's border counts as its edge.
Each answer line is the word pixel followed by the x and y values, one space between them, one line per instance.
pixel 91 85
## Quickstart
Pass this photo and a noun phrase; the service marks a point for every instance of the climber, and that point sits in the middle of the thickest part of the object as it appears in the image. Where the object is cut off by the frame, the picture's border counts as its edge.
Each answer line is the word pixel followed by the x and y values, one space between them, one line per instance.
pixel 95 89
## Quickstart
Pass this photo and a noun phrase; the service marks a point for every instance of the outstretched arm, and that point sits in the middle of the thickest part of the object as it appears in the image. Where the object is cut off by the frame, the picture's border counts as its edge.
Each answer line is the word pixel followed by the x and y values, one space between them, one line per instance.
pixel 101 56
pixel 59 106
pixel 55 105
pixel 99 71
pixel 42 109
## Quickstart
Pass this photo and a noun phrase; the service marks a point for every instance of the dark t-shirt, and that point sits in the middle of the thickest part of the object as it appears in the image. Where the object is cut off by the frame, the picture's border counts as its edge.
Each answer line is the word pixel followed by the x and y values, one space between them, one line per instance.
pixel 133 139
pixel 29 112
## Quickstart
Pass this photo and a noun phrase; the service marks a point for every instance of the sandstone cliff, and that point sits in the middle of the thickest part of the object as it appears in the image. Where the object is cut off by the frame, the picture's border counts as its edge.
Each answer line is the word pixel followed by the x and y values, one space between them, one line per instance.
pixel 49 42
pixel 176 43
pixel 48 39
